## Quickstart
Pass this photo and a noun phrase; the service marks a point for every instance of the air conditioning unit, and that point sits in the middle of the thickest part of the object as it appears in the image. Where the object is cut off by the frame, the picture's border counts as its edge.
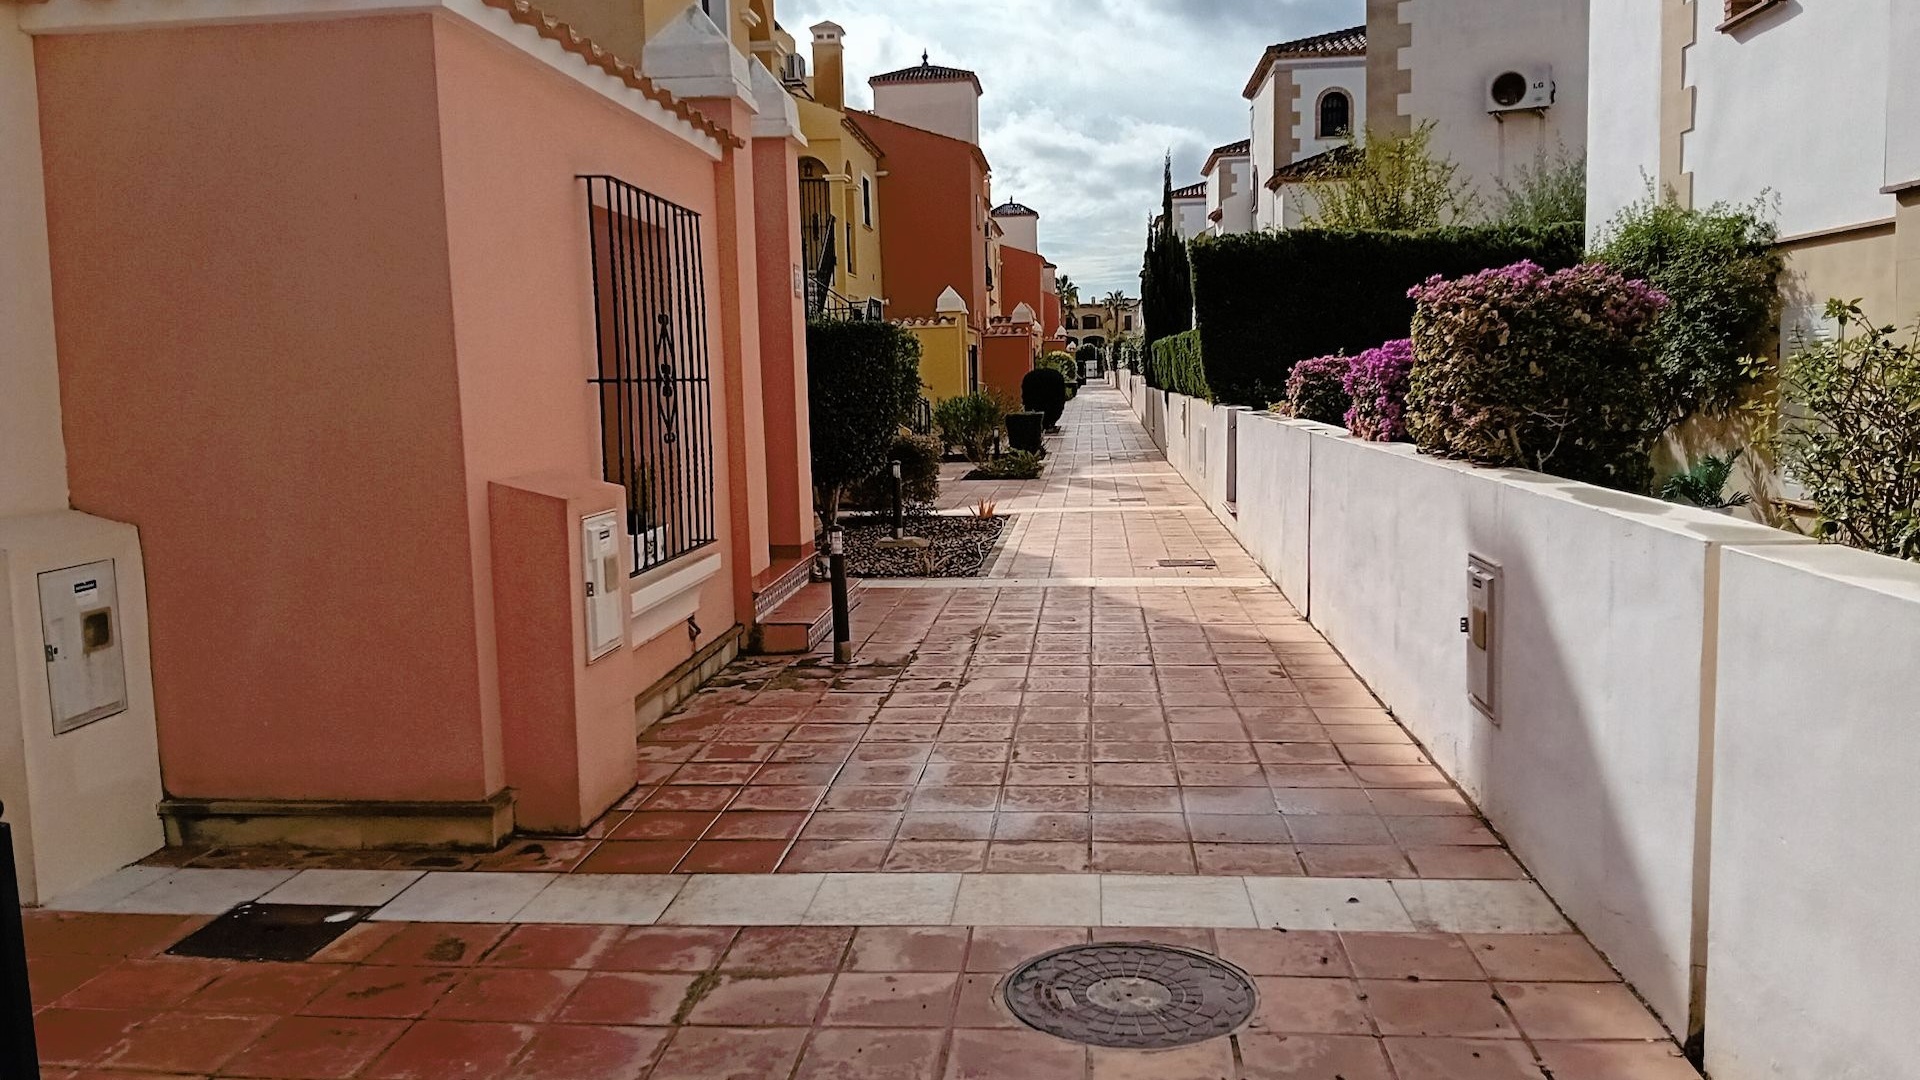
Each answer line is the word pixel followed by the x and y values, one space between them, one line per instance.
pixel 1520 89
pixel 796 68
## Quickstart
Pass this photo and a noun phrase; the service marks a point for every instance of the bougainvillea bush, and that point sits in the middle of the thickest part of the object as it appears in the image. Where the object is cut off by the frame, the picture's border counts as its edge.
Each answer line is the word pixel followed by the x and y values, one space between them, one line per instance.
pixel 1547 371
pixel 1377 385
pixel 1317 390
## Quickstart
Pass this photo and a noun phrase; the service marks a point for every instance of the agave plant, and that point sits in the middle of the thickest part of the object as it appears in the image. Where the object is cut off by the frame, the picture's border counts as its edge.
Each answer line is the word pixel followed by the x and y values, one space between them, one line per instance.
pixel 1704 484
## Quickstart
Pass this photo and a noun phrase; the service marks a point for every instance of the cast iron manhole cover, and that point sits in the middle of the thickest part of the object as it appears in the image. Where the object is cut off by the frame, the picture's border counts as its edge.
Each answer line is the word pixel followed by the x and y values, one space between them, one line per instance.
pixel 1135 997
pixel 284 932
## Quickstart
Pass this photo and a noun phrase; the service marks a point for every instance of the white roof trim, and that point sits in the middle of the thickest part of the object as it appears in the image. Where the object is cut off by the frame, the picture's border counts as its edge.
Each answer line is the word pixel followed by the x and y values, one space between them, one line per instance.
pixel 103 16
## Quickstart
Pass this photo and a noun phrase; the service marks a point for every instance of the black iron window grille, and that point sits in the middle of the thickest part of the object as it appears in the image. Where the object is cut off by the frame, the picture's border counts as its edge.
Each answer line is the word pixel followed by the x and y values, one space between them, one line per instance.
pixel 656 412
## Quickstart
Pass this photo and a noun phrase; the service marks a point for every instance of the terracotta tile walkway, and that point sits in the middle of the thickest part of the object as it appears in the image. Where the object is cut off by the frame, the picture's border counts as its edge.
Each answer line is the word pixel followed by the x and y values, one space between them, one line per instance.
pixel 1084 709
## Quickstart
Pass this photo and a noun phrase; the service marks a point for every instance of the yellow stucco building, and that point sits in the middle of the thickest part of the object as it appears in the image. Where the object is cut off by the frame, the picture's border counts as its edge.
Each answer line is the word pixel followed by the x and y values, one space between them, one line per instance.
pixel 839 180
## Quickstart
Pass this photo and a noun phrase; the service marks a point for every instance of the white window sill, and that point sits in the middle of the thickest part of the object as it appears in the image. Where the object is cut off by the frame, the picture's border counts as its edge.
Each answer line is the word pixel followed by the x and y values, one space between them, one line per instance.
pixel 667 596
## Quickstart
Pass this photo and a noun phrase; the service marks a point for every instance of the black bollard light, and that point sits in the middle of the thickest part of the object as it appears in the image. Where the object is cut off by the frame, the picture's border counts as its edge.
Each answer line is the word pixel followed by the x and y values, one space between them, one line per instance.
pixel 842 621
pixel 18 1054
pixel 899 505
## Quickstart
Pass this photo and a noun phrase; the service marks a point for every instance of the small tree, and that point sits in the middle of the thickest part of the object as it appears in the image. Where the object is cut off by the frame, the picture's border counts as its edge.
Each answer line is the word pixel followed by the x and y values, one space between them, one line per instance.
pixel 970 422
pixel 1852 434
pixel 1395 182
pixel 1720 272
pixel 1166 278
pixel 863 380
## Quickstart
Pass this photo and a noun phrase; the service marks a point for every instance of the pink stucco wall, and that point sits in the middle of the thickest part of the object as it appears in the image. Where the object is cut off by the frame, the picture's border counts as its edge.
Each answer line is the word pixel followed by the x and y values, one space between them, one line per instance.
pixel 257 368
pixel 783 347
pixel 317 285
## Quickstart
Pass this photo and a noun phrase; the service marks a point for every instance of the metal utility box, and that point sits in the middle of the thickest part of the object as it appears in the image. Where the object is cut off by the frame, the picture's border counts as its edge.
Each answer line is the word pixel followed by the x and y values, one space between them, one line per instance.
pixel 80 623
pixel 600 565
pixel 1483 633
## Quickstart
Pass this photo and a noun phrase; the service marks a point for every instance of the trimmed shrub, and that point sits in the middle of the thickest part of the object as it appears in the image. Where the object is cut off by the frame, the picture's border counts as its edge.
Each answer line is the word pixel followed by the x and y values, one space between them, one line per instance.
pixel 1269 300
pixel 1317 390
pixel 1044 390
pixel 863 380
pixel 1176 365
pixel 970 422
pixel 1719 269
pixel 1064 364
pixel 1547 371
pixel 919 457
pixel 1852 433
pixel 1377 384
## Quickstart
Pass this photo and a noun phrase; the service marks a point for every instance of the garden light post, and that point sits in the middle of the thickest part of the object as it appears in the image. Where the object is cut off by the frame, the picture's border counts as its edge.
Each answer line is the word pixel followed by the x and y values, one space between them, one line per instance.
pixel 18 1054
pixel 899 506
pixel 837 572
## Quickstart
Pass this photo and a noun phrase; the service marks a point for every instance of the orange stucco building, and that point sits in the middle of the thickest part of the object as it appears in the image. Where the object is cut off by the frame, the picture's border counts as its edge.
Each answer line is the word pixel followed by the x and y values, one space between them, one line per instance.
pixel 934 200
pixel 451 369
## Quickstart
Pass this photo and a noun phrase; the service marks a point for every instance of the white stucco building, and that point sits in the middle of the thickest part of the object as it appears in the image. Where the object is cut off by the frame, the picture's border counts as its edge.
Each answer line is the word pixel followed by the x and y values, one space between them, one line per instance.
pixel 1815 105
pixel 932 97
pixel 1190 210
pixel 1228 175
pixel 1306 98
pixel 1503 82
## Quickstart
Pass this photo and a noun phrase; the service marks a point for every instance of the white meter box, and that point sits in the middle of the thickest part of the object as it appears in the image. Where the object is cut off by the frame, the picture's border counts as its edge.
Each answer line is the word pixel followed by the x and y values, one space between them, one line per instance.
pixel 600 564
pixel 1483 630
pixel 80 623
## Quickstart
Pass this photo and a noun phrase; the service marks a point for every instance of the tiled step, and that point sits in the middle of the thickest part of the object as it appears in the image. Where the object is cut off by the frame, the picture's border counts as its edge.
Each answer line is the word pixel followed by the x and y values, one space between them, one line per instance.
pixel 803 621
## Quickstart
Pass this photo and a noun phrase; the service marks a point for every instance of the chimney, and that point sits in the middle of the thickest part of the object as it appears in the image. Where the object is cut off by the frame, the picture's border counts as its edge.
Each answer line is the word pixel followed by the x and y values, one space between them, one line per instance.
pixel 829 78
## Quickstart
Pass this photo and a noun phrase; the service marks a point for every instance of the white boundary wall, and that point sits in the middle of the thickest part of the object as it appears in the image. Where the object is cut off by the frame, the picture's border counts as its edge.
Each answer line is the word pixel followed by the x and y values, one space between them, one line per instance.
pixel 1634 636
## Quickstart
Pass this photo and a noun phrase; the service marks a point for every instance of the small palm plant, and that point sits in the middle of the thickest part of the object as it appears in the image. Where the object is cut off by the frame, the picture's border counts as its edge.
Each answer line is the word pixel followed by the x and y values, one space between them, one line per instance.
pixel 1704 484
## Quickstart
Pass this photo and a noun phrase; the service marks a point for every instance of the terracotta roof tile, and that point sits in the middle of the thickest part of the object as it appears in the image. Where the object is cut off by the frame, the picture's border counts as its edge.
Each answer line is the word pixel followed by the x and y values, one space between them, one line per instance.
pixel 1014 209
pixel 1327 163
pixel 1233 149
pixel 926 72
pixel 1349 42
pixel 585 48
pixel 1191 191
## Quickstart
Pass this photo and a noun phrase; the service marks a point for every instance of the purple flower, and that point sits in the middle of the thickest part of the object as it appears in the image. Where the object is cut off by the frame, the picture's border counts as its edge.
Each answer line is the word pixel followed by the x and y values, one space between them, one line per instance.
pixel 1377 383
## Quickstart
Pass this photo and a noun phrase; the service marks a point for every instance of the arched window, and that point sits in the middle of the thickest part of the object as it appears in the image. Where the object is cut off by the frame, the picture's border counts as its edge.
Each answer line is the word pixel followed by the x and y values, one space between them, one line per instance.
pixel 1089 322
pixel 1336 115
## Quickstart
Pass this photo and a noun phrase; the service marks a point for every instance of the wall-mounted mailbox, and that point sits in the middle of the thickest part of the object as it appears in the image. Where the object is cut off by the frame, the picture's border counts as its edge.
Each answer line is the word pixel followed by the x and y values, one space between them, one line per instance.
pixel 1482 629
pixel 600 564
pixel 80 623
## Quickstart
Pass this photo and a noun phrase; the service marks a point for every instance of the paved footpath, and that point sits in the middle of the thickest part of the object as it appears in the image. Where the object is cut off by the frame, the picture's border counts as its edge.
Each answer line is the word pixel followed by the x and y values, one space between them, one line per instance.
pixel 1123 732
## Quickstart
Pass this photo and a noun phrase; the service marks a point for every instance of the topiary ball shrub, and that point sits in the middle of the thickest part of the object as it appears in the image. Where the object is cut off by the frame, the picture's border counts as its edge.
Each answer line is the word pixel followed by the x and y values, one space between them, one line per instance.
pixel 1317 390
pixel 1554 372
pixel 1376 383
pixel 1044 390
pixel 1027 431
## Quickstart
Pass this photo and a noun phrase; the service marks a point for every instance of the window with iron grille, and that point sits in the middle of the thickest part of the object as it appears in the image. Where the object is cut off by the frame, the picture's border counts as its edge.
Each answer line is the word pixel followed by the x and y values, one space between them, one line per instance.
pixel 650 322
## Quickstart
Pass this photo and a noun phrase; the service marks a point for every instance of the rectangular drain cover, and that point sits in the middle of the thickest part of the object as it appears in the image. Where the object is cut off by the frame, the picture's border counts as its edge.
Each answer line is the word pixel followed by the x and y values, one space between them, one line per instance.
pixel 1130 499
pixel 1196 564
pixel 284 932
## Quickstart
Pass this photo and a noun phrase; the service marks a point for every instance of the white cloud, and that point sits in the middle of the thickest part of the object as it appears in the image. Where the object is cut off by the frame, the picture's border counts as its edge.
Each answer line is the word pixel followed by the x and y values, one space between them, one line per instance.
pixel 1083 97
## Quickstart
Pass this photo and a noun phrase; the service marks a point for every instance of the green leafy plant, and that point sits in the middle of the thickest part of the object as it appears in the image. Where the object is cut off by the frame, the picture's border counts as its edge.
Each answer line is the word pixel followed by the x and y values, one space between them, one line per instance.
pixel 1069 369
pixel 1547 371
pixel 919 457
pixel 1550 191
pixel 1067 291
pixel 863 380
pixel 1720 272
pixel 970 422
pixel 1044 390
pixel 1394 182
pixel 1166 278
pixel 1851 433
pixel 1176 365
pixel 1017 465
pixel 1704 484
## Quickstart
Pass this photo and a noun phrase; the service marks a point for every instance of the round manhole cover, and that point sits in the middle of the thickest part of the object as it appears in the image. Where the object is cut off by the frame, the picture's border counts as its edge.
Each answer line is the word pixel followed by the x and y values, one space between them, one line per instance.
pixel 1136 997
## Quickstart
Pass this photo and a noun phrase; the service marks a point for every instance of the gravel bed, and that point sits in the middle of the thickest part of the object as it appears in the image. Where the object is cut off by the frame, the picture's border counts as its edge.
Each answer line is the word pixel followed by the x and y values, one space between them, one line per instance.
pixel 960 546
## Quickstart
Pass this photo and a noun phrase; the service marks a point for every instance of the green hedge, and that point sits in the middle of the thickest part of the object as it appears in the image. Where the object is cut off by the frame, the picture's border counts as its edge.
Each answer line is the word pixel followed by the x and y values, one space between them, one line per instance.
pixel 1267 300
pixel 1176 365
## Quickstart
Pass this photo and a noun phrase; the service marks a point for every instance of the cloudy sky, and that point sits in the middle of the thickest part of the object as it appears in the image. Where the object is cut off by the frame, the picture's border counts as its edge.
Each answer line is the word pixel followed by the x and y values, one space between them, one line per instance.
pixel 1083 97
